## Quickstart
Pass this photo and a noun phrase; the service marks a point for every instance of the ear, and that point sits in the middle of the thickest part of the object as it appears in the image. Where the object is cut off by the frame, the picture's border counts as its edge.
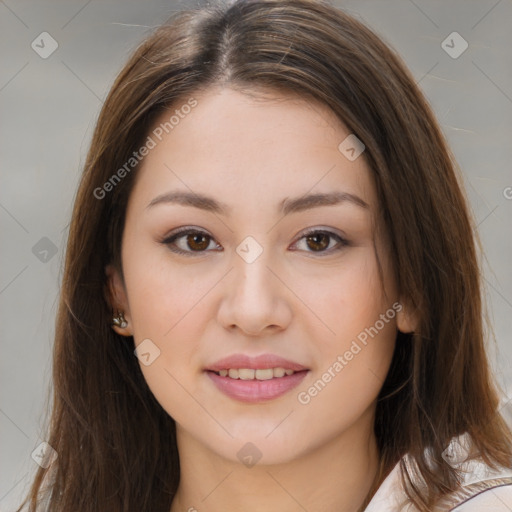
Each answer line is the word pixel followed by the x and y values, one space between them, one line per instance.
pixel 407 320
pixel 116 296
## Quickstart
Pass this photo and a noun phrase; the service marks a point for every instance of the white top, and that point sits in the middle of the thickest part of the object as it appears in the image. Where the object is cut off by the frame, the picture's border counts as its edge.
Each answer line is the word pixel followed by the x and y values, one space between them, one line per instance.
pixel 484 490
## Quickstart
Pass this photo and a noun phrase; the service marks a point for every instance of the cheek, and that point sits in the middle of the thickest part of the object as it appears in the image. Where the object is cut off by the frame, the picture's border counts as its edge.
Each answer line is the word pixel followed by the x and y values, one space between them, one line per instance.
pixel 169 306
pixel 351 368
pixel 353 357
pixel 348 298
pixel 163 295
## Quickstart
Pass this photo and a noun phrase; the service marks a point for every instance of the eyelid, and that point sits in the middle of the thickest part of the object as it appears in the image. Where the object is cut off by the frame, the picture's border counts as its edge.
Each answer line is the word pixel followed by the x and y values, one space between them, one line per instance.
pixel 183 230
pixel 320 229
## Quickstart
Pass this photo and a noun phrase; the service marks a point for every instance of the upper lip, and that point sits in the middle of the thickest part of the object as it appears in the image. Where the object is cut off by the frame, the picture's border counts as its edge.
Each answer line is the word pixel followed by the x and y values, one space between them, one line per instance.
pixel 262 362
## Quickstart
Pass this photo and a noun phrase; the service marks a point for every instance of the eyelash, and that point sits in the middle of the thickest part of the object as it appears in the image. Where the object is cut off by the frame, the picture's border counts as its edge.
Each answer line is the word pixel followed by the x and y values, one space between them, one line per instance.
pixel 170 240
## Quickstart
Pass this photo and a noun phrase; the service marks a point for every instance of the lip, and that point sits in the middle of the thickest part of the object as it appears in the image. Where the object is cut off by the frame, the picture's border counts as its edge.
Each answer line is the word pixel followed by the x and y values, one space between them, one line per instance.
pixel 256 391
pixel 263 361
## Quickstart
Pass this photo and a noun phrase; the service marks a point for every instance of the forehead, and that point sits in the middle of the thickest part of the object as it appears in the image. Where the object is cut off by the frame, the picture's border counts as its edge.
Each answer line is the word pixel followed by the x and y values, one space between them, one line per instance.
pixel 251 149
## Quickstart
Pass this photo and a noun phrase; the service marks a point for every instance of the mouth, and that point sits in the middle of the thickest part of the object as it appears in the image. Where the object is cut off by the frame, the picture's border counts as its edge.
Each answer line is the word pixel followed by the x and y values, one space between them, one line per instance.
pixel 255 379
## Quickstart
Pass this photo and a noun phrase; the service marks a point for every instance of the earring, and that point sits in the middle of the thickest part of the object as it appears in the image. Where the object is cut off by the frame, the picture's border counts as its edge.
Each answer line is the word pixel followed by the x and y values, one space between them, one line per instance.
pixel 120 320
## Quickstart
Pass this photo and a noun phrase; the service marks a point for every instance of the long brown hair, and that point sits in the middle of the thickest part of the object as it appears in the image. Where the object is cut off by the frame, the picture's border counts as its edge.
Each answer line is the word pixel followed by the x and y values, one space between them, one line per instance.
pixel 116 445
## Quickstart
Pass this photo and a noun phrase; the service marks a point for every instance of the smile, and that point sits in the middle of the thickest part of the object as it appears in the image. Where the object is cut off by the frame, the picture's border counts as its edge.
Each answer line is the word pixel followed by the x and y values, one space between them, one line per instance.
pixel 255 379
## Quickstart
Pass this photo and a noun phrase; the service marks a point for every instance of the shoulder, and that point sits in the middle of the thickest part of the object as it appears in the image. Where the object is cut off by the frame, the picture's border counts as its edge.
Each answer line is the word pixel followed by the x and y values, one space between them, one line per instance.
pixel 494 499
pixel 482 489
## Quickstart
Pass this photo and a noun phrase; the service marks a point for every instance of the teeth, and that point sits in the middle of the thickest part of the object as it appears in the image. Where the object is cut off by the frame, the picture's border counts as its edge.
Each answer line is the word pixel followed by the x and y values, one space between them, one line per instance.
pixel 259 374
pixel 280 372
pixel 245 374
pixel 264 374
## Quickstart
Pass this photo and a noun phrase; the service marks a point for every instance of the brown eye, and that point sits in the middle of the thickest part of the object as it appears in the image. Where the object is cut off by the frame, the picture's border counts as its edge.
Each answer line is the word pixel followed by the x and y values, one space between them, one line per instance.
pixel 318 241
pixel 198 241
pixel 188 241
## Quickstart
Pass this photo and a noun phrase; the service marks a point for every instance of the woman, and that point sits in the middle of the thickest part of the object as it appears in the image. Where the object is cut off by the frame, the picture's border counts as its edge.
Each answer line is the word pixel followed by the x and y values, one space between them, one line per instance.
pixel 271 297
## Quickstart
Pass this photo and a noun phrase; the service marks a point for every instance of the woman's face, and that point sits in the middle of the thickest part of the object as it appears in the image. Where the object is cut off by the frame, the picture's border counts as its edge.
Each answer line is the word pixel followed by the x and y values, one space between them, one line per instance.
pixel 273 277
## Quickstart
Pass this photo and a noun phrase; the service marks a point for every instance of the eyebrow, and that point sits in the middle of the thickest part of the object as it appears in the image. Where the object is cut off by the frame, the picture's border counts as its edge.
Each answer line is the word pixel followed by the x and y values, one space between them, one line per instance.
pixel 286 206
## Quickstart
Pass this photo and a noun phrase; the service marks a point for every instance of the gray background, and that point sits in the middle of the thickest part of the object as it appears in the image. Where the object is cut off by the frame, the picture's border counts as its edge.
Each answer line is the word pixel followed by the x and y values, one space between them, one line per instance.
pixel 48 110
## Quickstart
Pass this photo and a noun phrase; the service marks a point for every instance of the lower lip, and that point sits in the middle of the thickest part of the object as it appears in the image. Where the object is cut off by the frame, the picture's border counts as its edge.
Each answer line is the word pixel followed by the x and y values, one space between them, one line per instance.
pixel 254 391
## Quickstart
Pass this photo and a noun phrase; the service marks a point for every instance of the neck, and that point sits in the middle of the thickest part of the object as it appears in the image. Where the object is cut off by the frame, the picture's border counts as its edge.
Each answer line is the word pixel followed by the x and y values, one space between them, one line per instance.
pixel 335 477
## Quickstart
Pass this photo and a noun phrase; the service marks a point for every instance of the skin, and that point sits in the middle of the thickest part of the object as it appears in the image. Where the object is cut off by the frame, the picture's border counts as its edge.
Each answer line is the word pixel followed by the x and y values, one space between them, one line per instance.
pixel 294 301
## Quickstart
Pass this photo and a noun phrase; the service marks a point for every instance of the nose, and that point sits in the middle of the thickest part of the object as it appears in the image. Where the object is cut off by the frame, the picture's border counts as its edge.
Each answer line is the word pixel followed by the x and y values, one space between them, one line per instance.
pixel 255 298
